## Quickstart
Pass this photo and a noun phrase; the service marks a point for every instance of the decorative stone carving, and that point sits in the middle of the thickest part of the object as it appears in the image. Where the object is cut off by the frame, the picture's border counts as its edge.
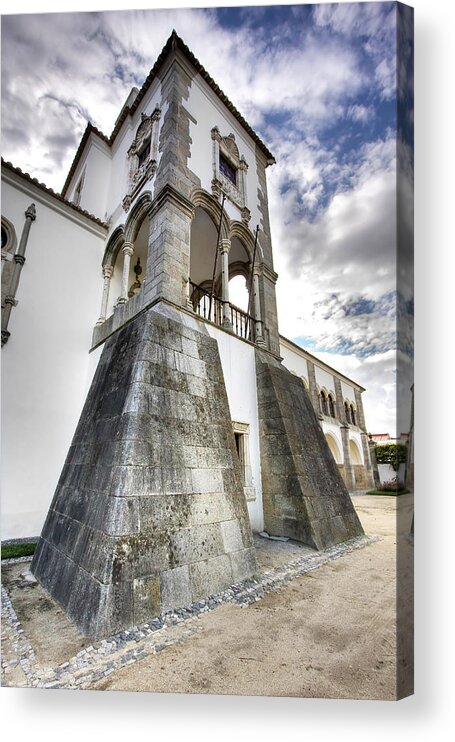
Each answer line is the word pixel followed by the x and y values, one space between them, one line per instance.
pixel 142 155
pixel 231 182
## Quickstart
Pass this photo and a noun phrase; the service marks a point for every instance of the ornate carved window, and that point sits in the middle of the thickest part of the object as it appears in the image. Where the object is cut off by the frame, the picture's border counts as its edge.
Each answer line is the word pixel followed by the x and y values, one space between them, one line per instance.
pixel 142 155
pixel 229 172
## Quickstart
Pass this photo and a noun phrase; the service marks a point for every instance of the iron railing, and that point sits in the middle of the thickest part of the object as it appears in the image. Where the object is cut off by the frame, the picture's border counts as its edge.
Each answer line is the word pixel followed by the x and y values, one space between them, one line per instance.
pixel 211 308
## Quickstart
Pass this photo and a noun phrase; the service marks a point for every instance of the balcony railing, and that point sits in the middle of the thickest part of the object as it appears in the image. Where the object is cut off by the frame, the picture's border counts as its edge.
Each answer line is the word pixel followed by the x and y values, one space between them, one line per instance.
pixel 241 323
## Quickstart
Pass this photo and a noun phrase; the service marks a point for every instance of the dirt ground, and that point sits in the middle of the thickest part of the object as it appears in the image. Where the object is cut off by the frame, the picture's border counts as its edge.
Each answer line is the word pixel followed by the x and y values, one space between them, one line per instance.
pixel 331 633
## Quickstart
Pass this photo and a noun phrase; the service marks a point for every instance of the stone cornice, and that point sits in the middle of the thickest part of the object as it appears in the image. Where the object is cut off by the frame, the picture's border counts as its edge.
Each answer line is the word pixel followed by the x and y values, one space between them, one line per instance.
pixel 15 176
pixel 168 193
pixel 266 271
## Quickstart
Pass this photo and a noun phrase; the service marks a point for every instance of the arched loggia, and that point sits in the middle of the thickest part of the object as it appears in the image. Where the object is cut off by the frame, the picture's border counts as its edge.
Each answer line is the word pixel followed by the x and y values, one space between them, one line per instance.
pixel 212 270
pixel 125 258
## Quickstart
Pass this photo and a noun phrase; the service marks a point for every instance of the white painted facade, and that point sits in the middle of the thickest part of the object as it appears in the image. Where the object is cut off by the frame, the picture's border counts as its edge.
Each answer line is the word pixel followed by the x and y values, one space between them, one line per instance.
pixel 47 363
pixel 239 369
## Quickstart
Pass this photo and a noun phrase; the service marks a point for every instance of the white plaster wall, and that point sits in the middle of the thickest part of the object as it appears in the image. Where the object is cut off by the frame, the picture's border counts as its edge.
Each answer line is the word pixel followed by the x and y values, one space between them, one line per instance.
pixel 324 379
pixel 45 362
pixel 355 436
pixel 239 369
pixel 208 111
pixel 387 473
pixel 348 392
pixel 334 430
pixel 294 361
pixel 96 162
pixel 118 185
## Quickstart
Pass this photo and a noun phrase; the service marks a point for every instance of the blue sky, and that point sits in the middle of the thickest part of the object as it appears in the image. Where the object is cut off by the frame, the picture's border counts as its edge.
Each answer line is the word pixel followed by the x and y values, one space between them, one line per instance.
pixel 318 83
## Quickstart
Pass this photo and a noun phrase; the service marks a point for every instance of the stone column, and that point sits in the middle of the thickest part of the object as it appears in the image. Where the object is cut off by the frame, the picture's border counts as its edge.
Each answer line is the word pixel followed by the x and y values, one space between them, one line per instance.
pixel 19 260
pixel 107 275
pixel 360 412
pixel 374 463
pixel 225 246
pixel 258 331
pixel 127 250
pixel 349 472
pixel 339 401
pixel 370 474
pixel 243 168
pixel 216 138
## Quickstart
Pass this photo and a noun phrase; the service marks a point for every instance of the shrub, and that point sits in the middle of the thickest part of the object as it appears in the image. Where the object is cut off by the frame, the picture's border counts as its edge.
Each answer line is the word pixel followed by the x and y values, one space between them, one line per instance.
pixel 12 551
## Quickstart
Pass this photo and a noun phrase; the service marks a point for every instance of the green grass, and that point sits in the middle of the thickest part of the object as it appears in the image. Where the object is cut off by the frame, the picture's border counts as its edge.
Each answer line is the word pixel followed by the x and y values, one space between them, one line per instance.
pixel 12 551
pixel 392 493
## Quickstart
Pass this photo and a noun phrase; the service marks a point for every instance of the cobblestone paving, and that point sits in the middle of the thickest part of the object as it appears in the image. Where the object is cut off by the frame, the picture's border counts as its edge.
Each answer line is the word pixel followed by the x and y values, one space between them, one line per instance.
pixel 104 657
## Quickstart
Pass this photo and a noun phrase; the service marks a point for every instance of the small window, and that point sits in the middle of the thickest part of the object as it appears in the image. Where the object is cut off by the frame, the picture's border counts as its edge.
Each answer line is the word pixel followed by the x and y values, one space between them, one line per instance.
pixel 144 154
pixel 228 170
pixel 324 409
pixel 353 415
pixel 331 406
pixel 242 446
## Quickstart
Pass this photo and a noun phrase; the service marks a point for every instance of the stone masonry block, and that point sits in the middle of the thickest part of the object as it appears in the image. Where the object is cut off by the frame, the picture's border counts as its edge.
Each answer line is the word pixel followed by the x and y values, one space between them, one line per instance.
pixel 210 576
pixel 175 588
pixel 207 480
pixel 232 535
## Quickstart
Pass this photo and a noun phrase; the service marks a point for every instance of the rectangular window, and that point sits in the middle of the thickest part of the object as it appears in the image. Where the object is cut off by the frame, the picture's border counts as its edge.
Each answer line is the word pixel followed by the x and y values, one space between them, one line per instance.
pixel 242 445
pixel 228 170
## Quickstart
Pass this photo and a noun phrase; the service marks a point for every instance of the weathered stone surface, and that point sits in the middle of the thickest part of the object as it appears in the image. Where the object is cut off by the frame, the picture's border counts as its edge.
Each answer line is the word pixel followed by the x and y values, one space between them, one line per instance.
pixel 150 502
pixel 303 493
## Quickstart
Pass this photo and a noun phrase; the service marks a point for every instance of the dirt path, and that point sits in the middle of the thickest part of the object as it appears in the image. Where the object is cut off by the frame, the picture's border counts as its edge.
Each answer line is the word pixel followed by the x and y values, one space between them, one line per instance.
pixel 328 634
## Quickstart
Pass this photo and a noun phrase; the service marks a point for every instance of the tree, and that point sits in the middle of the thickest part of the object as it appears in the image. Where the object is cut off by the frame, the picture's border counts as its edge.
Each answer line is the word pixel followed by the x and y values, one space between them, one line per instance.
pixel 391 453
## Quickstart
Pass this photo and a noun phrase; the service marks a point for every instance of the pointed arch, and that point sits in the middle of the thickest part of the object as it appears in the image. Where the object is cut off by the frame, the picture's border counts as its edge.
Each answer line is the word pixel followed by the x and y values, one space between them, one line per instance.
pixel 210 205
pixel 246 237
pixel 355 453
pixel 334 447
pixel 137 215
pixel 113 246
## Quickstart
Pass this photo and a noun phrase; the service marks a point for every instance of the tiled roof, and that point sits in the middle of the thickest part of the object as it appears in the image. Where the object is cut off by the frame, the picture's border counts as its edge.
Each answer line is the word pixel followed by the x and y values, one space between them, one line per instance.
pixel 50 192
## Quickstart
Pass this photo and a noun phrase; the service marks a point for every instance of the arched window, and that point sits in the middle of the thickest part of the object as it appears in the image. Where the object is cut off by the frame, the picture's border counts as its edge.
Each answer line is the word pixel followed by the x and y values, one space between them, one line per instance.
pixel 353 417
pixel 324 408
pixel 347 412
pixel 331 406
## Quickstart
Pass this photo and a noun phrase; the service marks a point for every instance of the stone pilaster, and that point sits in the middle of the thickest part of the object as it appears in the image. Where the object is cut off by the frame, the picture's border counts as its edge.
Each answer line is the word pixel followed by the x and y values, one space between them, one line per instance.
pixel 19 261
pixel 313 389
pixel 370 475
pixel 348 468
pixel 168 263
pixel 374 463
pixel 258 324
pixel 339 401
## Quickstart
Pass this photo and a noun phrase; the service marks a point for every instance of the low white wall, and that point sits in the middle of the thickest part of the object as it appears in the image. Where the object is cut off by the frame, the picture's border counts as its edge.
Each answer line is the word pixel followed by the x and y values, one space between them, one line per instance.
pixel 239 369
pixel 387 473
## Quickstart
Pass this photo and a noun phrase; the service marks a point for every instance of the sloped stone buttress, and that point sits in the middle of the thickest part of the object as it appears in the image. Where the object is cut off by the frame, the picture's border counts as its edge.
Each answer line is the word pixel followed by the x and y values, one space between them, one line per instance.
pixel 149 512
pixel 304 495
